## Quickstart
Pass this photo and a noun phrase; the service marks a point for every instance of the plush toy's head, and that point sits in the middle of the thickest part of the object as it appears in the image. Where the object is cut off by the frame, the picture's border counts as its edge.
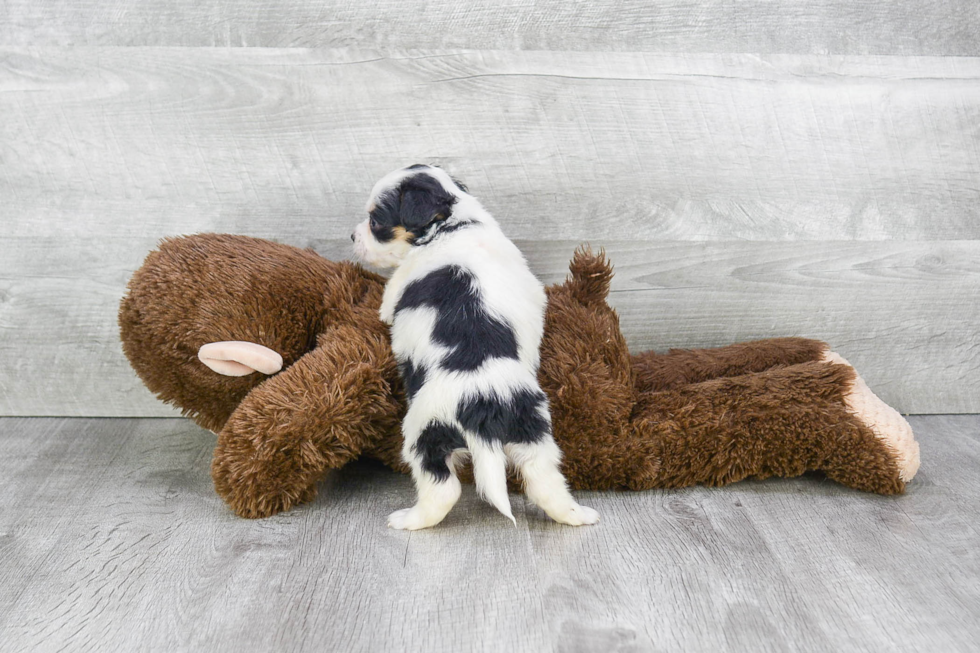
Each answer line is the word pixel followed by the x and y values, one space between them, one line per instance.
pixel 205 290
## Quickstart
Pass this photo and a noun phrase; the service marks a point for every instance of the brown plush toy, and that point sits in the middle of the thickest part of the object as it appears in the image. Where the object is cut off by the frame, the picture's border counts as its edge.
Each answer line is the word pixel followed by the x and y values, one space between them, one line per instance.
pixel 770 408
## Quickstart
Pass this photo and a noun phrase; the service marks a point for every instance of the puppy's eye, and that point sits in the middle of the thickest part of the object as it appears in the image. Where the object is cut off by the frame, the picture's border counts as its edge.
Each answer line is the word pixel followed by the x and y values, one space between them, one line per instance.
pixel 374 222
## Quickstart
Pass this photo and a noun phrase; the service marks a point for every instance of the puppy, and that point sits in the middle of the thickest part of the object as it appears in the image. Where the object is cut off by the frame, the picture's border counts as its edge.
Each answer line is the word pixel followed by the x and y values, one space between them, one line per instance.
pixel 467 317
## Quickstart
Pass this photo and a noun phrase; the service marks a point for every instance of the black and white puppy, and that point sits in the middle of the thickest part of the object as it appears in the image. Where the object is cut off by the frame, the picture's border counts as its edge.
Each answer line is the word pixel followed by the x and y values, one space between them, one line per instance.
pixel 467 317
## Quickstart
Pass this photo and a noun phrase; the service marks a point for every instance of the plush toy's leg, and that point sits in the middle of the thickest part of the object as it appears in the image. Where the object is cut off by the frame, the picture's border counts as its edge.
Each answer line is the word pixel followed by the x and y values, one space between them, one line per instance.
pixel 887 423
pixel 776 407
pixel 318 414
pixel 429 448
pixel 679 367
pixel 781 422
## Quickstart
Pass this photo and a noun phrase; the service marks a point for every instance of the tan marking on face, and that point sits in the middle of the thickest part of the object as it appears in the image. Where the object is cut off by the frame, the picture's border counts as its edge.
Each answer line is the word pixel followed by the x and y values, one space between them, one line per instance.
pixel 403 235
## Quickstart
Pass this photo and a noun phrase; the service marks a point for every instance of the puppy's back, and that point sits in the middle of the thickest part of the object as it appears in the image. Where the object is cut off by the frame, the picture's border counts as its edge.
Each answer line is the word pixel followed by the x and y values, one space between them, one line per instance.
pixel 493 274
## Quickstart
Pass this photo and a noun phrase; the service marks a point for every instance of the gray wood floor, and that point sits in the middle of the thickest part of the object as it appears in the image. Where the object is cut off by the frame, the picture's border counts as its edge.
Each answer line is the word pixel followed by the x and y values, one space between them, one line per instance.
pixel 111 538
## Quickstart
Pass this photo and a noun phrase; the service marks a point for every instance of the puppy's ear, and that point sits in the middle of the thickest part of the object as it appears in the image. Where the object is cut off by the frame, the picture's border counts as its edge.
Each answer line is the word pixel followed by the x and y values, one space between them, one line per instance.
pixel 423 201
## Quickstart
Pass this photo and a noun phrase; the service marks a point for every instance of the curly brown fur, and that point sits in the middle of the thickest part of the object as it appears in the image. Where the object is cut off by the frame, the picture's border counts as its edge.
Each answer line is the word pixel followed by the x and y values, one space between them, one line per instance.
pixel 713 416
pixel 214 287
pixel 679 367
pixel 710 416
pixel 724 430
pixel 317 415
pixel 339 391
pixel 587 373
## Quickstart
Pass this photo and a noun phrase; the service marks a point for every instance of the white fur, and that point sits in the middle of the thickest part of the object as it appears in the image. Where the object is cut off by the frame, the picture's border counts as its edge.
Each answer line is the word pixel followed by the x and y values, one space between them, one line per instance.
pixel 382 255
pixel 490 474
pixel 538 465
pixel 510 292
pixel 435 502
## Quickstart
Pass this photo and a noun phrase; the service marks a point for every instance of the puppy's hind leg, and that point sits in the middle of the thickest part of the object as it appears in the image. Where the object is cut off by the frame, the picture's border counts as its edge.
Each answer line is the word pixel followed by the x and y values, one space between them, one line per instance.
pixel 539 466
pixel 438 488
pixel 435 499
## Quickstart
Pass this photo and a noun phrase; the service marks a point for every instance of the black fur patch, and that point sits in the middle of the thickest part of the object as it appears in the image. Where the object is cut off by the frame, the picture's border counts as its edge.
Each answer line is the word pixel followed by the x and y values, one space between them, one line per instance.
pixel 413 377
pixel 415 205
pixel 382 227
pixel 462 323
pixel 459 184
pixel 436 442
pixel 515 420
pixel 456 226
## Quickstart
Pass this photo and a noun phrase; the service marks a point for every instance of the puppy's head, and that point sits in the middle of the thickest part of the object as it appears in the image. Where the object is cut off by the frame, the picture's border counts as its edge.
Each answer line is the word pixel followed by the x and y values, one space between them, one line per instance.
pixel 405 207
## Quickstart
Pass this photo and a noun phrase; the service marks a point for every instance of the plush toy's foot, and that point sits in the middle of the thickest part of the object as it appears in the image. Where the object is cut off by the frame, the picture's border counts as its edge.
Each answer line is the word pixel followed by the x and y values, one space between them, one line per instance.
pixel 884 421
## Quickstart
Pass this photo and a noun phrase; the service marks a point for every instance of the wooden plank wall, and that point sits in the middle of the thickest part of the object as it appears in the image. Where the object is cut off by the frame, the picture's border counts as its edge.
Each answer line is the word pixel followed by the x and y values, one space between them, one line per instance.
pixel 755 169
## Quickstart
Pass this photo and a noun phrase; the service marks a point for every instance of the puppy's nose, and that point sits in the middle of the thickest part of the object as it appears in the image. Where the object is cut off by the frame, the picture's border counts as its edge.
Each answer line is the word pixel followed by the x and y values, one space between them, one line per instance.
pixel 352 239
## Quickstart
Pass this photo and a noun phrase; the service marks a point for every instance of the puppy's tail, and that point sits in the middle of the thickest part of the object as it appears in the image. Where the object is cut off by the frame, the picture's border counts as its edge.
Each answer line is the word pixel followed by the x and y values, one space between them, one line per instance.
pixel 490 474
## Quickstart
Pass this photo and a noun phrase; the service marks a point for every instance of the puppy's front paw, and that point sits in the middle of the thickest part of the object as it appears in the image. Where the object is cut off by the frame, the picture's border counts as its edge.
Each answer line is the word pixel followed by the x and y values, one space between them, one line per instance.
pixel 576 515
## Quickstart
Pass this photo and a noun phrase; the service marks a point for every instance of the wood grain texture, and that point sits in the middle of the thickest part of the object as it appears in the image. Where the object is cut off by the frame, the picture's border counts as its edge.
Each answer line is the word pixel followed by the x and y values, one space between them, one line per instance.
pixel 904 313
pixel 59 338
pixel 287 143
pixel 103 150
pixel 115 540
pixel 111 538
pixel 790 565
pixel 763 26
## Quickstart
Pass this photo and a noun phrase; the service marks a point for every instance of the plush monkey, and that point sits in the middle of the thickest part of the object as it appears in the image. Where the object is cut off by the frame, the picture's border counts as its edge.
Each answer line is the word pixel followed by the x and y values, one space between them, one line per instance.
pixel 282 354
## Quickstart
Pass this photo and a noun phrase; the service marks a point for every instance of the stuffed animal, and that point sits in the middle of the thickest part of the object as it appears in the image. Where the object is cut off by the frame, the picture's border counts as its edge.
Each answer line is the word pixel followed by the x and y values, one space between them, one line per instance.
pixel 282 354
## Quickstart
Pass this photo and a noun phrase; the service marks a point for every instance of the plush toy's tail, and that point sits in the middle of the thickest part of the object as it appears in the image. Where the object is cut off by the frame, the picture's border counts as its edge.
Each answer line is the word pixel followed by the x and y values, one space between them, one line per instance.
pixel 490 475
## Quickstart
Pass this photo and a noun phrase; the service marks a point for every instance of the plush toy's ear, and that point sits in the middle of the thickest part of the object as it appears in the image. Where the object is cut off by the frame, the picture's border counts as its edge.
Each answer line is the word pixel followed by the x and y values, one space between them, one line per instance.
pixel 423 201
pixel 239 358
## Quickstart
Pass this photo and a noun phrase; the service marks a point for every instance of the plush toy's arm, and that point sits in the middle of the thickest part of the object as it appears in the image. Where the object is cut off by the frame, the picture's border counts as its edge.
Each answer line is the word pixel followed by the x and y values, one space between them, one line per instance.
pixel 317 415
